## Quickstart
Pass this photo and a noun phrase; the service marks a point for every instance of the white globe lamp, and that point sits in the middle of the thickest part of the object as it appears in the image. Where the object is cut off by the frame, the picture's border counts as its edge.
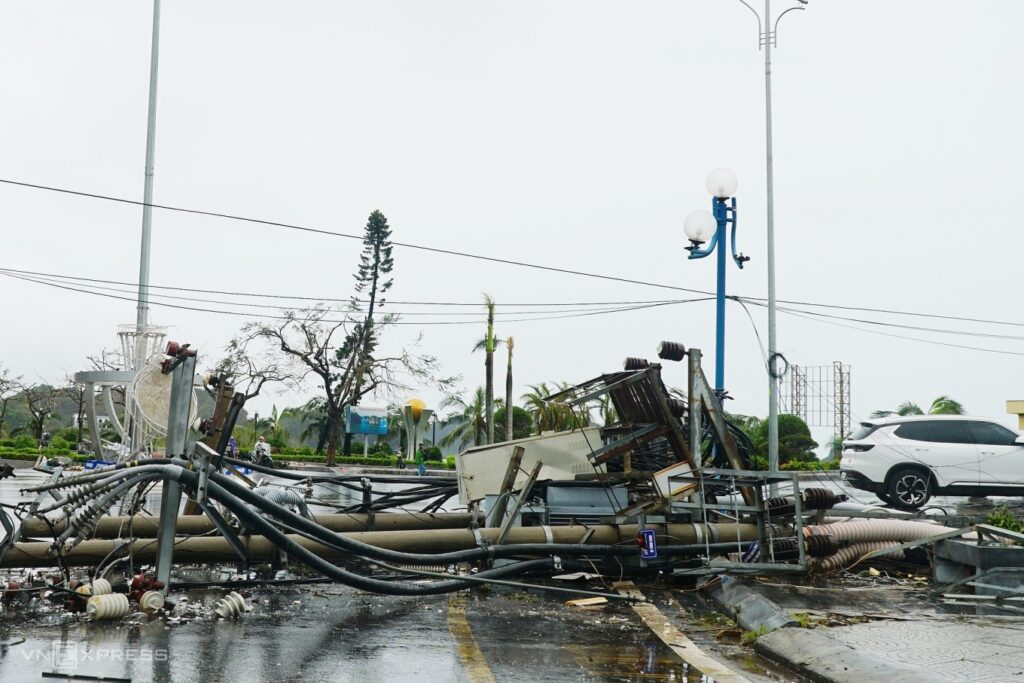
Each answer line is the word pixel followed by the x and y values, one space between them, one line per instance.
pixel 699 226
pixel 721 183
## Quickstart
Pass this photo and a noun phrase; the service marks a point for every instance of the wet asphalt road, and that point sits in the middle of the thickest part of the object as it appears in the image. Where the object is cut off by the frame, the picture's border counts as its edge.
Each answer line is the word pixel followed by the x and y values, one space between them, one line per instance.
pixel 330 633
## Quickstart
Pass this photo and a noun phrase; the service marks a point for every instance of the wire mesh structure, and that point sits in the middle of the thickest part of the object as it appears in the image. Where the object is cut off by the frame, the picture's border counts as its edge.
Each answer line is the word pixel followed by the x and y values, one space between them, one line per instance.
pixel 138 346
pixel 149 397
pixel 819 395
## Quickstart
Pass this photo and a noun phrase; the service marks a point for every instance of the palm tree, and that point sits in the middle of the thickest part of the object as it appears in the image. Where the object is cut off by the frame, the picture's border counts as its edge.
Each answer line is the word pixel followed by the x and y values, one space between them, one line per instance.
pixel 943 405
pixel 537 406
pixel 314 421
pixel 606 410
pixel 835 448
pixel 553 417
pixel 469 421
pixel 750 424
pixel 488 364
pixel 278 436
pixel 510 345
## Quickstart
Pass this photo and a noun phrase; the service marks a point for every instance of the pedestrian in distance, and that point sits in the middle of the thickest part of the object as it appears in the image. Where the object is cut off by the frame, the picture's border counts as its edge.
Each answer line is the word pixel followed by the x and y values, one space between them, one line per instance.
pixel 421 461
pixel 261 453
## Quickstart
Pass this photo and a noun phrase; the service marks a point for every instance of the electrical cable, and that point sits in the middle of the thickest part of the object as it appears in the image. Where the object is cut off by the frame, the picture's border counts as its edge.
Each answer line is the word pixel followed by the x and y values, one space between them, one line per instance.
pixel 57 280
pixel 394 322
pixel 900 336
pixel 481 257
pixel 259 295
pixel 332 233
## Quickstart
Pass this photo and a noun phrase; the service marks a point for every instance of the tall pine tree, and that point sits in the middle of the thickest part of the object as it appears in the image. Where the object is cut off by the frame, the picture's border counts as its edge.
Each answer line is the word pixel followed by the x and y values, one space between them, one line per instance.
pixel 372 282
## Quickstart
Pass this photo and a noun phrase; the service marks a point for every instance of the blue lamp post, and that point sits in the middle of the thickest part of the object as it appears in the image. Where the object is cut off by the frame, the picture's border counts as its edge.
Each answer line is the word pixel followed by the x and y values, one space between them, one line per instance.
pixel 701 225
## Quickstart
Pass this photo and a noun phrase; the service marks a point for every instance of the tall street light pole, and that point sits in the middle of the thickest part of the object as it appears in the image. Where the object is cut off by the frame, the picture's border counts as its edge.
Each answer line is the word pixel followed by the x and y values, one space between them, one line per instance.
pixel 767 29
pixel 699 227
pixel 142 313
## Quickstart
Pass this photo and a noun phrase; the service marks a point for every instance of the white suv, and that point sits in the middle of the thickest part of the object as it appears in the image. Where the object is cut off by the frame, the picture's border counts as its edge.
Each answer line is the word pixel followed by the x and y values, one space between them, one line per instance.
pixel 907 460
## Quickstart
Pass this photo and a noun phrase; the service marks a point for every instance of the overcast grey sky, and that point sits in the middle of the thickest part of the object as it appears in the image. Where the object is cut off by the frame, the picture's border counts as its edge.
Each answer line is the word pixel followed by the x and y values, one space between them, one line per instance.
pixel 574 134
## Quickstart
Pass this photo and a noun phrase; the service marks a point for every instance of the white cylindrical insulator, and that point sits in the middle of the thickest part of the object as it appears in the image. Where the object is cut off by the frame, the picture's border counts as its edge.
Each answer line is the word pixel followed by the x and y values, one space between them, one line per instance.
pixel 231 605
pixel 97 587
pixel 151 601
pixel 110 606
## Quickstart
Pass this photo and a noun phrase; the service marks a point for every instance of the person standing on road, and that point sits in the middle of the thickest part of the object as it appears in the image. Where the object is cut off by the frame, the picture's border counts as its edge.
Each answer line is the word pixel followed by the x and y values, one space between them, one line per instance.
pixel 421 461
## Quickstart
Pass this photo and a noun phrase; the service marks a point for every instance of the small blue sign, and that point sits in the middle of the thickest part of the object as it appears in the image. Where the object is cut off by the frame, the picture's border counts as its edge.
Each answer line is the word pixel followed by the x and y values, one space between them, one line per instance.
pixel 648 544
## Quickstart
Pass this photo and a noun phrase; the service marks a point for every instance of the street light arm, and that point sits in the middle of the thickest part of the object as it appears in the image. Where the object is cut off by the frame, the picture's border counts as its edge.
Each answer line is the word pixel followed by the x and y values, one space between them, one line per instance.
pixel 775 29
pixel 745 4
pixel 706 251
pixel 740 259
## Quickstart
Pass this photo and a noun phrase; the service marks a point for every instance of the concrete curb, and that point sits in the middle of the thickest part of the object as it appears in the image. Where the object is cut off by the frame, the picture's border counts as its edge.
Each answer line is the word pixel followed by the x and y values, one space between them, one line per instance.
pixel 820 658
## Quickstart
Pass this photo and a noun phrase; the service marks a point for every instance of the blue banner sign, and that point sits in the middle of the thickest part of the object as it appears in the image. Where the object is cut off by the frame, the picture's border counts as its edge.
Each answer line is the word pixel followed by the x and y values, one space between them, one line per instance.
pixel 360 420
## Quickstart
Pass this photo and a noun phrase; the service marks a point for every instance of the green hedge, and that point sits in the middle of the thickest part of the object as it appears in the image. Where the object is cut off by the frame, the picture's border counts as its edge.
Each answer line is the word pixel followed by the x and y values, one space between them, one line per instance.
pixel 760 463
pixel 32 454
pixel 392 461
pixel 6 451
pixel 816 466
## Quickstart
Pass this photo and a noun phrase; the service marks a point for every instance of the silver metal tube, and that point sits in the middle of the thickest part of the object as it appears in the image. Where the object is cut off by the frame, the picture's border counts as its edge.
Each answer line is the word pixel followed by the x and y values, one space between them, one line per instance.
pixel 773 386
pixel 147 211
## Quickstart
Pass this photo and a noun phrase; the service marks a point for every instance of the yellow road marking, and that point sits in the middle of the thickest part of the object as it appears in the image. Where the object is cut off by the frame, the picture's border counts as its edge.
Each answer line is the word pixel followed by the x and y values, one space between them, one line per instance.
pixel 680 644
pixel 473 660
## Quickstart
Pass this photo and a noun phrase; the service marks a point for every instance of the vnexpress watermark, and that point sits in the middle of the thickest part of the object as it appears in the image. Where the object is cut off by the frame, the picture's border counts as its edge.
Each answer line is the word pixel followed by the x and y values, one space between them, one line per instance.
pixel 71 655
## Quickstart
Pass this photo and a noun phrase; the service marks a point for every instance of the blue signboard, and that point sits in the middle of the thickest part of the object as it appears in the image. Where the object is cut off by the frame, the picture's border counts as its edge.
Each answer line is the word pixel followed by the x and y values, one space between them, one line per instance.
pixel 372 421
pixel 648 544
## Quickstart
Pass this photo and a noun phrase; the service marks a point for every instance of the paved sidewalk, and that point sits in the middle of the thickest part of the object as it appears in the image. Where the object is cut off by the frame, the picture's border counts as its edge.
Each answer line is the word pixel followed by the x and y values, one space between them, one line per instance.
pixel 970 649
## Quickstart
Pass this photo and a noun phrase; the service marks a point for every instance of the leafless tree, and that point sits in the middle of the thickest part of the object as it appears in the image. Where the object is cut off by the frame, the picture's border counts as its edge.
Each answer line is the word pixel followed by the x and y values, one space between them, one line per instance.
pixel 9 387
pixel 323 344
pixel 41 401
pixel 75 392
pixel 250 366
pixel 107 360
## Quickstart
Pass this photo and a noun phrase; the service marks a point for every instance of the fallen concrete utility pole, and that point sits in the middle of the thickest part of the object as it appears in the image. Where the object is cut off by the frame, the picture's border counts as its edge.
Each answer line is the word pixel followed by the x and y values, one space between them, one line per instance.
pixel 197 550
pixel 145 526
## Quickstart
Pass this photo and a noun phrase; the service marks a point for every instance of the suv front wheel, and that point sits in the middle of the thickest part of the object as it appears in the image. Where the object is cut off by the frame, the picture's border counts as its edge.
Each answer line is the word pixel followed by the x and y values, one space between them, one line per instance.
pixel 909 488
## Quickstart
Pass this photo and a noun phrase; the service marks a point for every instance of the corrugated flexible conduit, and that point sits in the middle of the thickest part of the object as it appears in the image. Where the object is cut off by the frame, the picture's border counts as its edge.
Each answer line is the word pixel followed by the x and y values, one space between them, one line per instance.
pixel 897 530
pixel 853 552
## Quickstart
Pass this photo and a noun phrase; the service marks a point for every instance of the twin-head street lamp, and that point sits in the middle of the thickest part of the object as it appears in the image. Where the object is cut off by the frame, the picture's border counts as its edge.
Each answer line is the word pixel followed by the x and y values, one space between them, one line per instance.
pixel 699 227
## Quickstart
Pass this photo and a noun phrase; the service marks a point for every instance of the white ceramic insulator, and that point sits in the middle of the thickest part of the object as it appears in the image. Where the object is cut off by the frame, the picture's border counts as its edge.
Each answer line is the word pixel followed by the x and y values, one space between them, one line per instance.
pixel 151 601
pixel 229 606
pixel 97 587
pixel 110 606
